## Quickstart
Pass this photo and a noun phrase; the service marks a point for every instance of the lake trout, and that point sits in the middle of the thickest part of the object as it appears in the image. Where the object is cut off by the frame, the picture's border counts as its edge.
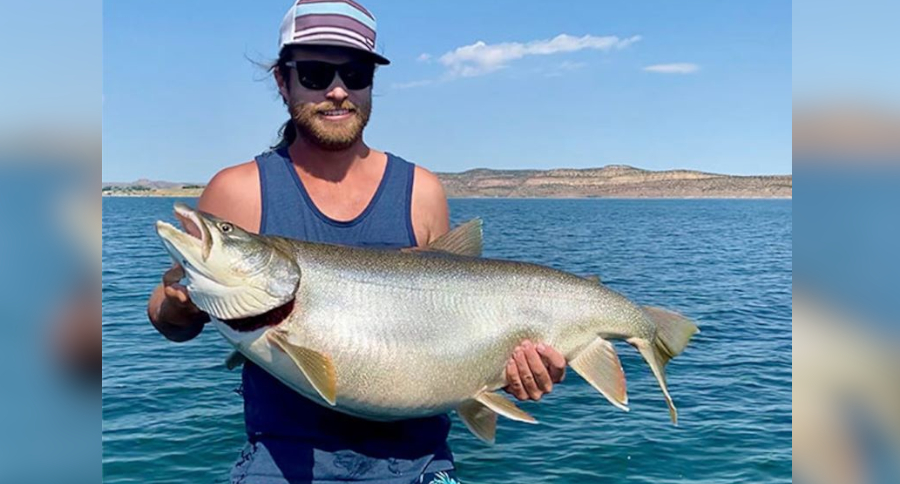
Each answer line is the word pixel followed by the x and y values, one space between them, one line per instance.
pixel 388 335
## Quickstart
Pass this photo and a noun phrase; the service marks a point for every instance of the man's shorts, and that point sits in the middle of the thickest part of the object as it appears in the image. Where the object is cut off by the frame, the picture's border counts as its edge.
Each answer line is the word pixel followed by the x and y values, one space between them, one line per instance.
pixel 258 465
pixel 448 477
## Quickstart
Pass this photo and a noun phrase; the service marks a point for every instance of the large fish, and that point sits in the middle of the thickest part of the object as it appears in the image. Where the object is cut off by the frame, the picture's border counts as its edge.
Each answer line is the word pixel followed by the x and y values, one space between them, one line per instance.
pixel 387 335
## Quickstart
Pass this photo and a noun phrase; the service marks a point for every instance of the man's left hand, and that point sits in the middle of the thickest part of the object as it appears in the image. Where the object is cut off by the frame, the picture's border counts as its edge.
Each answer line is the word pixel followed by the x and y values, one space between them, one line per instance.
pixel 533 369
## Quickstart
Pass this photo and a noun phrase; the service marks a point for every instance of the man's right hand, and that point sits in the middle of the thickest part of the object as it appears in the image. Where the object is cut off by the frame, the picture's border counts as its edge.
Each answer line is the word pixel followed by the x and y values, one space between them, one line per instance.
pixel 178 301
pixel 171 311
pixel 233 194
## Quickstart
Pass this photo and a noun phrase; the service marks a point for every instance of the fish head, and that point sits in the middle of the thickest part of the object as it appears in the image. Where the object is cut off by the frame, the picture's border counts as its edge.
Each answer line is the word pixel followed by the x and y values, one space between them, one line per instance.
pixel 231 273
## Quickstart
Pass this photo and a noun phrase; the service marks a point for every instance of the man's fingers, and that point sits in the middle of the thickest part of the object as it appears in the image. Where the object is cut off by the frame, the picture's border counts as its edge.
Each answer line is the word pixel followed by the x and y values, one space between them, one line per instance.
pixel 537 367
pixel 555 362
pixel 177 292
pixel 527 377
pixel 515 383
pixel 173 275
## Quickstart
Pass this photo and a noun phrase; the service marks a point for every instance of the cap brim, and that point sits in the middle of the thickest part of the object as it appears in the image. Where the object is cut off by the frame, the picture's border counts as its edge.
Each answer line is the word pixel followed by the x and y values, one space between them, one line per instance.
pixel 379 59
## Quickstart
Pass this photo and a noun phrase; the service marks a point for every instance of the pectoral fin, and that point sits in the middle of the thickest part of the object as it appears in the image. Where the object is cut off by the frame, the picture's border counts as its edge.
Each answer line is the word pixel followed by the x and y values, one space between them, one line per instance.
pixel 235 359
pixel 316 367
pixel 599 365
pixel 479 419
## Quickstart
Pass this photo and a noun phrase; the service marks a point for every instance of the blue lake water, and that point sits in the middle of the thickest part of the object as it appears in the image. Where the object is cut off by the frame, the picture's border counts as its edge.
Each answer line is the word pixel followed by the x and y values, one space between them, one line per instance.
pixel 172 414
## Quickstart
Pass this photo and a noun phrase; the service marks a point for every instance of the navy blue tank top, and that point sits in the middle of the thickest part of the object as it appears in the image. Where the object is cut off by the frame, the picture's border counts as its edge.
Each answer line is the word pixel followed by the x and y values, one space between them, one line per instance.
pixel 314 442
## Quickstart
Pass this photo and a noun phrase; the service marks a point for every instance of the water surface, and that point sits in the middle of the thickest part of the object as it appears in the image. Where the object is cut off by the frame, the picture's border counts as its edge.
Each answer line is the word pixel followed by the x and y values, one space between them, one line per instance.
pixel 172 414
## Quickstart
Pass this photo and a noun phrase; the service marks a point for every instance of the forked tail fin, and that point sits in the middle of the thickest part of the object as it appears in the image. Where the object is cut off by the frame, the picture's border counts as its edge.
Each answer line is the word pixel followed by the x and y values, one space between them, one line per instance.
pixel 673 333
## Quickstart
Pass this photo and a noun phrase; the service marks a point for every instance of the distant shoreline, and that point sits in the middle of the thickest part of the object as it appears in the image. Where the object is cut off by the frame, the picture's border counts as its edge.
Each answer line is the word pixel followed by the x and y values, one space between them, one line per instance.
pixel 173 194
pixel 609 182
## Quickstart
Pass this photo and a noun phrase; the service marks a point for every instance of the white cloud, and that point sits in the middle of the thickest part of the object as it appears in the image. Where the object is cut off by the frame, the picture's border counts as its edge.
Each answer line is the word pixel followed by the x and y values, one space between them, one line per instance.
pixel 481 58
pixel 571 66
pixel 564 67
pixel 425 57
pixel 678 68
pixel 411 84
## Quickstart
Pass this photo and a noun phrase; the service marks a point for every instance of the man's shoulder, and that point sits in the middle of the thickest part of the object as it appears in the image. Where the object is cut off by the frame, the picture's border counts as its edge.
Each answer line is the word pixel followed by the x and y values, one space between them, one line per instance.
pixel 427 184
pixel 429 211
pixel 236 177
pixel 233 194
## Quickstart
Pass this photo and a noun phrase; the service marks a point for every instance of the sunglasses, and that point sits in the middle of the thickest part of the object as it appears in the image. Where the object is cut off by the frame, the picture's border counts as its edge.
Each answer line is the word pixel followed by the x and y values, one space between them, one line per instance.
pixel 318 75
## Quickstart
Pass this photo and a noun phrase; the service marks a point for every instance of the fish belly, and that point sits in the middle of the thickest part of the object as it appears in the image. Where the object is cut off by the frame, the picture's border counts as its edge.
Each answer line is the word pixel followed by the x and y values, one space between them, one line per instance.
pixel 402 352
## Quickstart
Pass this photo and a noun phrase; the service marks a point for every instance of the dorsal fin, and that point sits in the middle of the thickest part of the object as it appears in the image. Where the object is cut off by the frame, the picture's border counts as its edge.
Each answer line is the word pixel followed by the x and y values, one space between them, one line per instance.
pixel 465 239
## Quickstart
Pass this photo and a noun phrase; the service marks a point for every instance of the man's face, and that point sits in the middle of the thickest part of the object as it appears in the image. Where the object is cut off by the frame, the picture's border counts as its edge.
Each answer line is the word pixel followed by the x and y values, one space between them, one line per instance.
pixel 331 115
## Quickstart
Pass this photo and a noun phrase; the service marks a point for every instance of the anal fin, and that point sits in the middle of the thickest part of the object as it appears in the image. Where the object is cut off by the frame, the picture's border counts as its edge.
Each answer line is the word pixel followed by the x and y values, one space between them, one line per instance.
pixel 599 365
pixel 316 367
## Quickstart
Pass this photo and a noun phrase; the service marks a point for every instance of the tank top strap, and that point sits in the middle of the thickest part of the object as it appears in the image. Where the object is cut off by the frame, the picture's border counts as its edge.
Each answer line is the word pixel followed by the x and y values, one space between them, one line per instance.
pixel 396 197
pixel 289 211
pixel 279 195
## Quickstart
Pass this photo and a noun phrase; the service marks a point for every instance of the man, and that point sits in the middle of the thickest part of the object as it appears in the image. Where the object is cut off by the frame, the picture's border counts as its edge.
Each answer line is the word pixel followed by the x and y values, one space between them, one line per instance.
pixel 323 183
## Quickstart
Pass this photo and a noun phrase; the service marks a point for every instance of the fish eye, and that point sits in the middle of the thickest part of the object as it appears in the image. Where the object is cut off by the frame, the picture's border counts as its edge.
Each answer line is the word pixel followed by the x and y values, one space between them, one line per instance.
pixel 226 227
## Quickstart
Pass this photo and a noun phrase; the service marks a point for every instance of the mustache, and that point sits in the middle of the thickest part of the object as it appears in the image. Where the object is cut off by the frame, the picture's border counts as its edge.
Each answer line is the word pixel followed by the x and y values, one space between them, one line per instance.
pixel 301 109
pixel 328 106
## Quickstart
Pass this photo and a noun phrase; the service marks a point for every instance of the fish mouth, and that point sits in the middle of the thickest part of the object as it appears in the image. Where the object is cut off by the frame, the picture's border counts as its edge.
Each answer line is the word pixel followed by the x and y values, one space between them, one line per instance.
pixel 194 242
pixel 194 225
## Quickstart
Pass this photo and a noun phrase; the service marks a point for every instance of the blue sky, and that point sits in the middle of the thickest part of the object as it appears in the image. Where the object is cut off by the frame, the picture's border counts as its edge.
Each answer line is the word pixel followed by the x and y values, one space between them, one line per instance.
pixel 846 50
pixel 46 79
pixel 702 85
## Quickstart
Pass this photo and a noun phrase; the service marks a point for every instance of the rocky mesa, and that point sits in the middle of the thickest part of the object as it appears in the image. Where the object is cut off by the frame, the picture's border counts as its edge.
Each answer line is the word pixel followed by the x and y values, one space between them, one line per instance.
pixel 614 181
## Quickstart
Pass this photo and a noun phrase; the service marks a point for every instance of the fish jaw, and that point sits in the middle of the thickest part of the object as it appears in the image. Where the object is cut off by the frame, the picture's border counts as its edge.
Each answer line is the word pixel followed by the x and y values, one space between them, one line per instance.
pixel 222 281
pixel 188 251
pixel 190 247
pixel 190 219
pixel 183 247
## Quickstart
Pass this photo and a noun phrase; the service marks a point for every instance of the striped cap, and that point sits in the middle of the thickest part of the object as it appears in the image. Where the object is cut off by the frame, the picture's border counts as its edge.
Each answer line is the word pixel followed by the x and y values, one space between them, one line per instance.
pixel 340 23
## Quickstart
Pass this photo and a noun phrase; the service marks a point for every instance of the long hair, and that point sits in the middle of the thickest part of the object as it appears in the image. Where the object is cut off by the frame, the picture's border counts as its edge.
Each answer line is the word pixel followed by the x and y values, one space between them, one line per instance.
pixel 288 131
pixel 287 134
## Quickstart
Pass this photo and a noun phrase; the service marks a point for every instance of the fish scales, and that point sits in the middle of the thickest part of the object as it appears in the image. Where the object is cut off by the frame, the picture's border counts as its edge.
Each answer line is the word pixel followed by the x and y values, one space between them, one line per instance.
pixel 389 335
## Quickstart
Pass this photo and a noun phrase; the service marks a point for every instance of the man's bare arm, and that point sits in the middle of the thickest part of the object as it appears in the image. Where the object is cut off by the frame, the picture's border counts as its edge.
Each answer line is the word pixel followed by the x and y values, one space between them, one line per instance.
pixel 233 194
pixel 430 213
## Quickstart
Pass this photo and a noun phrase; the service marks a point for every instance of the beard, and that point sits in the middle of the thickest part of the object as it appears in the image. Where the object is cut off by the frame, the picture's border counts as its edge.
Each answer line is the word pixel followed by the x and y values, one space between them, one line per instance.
pixel 330 135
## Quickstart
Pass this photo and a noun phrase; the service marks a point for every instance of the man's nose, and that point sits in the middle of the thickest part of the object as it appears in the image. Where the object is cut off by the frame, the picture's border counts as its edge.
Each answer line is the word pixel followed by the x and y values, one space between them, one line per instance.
pixel 337 92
